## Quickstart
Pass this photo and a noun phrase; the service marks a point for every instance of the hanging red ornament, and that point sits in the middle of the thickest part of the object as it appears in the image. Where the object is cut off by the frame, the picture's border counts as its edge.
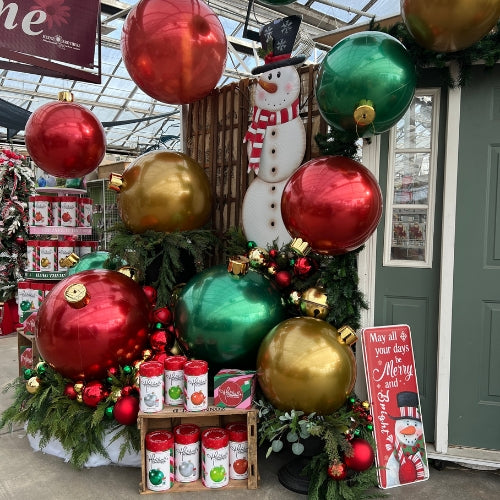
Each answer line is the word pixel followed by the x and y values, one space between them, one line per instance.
pixel 337 471
pixel 93 393
pixel 20 240
pixel 151 293
pixel 126 410
pixel 162 315
pixel 174 50
pixel 127 390
pixel 69 391
pixel 362 455
pixel 273 253
pixel 283 279
pixel 65 139
pixel 159 356
pixel 332 202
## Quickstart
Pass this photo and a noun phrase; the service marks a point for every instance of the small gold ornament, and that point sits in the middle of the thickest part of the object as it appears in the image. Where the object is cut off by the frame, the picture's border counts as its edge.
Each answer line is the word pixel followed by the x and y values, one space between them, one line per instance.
pixel 78 387
pixel 314 303
pixel 71 260
pixel 115 395
pixel 258 256
pixel 147 353
pixel 79 398
pixel 32 385
pixel 365 405
pixel 294 297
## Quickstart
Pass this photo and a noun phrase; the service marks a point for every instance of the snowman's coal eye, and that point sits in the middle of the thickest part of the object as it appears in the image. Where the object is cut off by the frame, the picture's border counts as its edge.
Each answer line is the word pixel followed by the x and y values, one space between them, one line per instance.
pixel 269 76
pixel 278 74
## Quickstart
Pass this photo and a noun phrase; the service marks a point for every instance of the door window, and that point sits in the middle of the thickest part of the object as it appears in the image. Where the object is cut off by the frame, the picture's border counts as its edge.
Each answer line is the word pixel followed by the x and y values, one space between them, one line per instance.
pixel 411 184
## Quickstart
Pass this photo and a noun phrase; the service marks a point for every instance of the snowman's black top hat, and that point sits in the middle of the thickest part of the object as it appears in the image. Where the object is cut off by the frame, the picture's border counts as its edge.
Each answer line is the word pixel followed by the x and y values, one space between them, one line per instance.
pixel 408 405
pixel 278 38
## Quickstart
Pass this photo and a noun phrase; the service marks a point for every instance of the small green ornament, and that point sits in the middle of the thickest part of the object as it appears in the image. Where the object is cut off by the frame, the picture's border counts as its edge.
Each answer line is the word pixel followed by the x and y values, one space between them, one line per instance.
pixel 251 244
pixel 369 427
pixel 28 373
pixel 108 412
pixel 109 380
pixel 127 370
pixel 41 369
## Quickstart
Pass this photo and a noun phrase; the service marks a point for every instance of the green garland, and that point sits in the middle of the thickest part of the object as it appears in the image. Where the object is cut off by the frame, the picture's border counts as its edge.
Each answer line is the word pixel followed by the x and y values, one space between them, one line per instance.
pixel 79 428
pixel 161 257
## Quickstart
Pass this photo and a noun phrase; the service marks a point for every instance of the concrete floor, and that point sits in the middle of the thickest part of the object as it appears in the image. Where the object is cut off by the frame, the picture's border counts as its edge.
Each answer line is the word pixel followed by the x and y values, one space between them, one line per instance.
pixel 26 474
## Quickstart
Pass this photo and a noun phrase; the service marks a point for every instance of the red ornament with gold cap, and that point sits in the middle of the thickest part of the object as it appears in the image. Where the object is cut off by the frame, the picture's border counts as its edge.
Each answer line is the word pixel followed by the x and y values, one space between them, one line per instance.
pixel 65 139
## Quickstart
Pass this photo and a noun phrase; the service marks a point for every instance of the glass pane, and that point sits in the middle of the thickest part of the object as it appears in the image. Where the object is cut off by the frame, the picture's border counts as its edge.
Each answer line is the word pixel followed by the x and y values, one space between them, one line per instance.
pixel 411 178
pixel 409 234
pixel 414 129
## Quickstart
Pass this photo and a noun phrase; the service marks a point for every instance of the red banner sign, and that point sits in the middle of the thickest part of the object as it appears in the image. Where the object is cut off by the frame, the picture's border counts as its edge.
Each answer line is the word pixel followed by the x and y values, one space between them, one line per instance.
pixel 395 405
pixel 60 30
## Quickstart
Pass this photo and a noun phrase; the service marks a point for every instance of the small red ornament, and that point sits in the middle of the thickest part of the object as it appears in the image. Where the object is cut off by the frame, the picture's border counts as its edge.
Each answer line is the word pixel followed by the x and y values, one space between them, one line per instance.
pixel 160 356
pixel 337 471
pixel 303 266
pixel 162 315
pixel 362 455
pixel 283 279
pixel 93 393
pixel 151 293
pixel 69 391
pixel 65 139
pixel 20 240
pixel 161 340
pixel 126 391
pixel 126 410
pixel 273 253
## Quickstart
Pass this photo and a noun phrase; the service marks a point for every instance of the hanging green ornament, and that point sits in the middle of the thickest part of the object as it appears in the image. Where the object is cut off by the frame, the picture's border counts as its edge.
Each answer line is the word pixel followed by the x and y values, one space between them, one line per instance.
pixel 28 373
pixel 127 370
pixel 108 412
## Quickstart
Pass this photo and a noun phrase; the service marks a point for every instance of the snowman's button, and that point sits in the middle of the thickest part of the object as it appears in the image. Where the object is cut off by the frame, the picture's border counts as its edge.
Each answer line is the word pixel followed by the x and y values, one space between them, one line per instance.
pixel 273 151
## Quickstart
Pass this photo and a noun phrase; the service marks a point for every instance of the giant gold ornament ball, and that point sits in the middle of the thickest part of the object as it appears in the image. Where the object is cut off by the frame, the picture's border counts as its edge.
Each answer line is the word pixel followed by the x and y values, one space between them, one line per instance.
pixel 449 25
pixel 302 365
pixel 164 191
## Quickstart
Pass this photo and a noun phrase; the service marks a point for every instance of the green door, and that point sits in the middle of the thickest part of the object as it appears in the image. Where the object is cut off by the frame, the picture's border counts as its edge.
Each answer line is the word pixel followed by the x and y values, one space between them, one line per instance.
pixel 475 350
pixel 407 275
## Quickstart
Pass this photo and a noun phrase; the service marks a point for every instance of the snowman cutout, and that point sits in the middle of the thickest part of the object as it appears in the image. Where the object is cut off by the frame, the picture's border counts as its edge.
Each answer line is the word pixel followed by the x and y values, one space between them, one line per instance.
pixel 407 462
pixel 276 138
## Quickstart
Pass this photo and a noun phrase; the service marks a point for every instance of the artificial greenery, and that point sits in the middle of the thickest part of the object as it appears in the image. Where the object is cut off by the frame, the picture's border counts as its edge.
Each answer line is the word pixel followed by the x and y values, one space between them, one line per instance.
pixel 163 260
pixel 486 51
pixel 17 184
pixel 53 415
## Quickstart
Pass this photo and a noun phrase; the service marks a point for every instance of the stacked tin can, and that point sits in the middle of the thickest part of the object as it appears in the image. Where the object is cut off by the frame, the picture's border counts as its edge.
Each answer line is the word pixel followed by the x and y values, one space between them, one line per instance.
pixel 174 380
pixel 238 450
pixel 196 385
pixel 151 385
pixel 187 452
pixel 159 460
pixel 215 457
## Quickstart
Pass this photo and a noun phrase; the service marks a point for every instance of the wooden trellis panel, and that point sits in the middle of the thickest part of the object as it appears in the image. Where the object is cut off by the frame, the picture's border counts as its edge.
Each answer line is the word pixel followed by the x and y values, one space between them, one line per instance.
pixel 214 131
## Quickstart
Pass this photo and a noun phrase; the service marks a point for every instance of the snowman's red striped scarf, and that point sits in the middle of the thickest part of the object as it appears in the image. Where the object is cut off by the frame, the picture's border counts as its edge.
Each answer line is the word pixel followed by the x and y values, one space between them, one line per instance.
pixel 261 119
pixel 411 463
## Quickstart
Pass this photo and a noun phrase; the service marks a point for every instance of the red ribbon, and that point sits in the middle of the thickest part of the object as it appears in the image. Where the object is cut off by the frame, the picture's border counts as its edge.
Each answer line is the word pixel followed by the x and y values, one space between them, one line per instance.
pixel 270 58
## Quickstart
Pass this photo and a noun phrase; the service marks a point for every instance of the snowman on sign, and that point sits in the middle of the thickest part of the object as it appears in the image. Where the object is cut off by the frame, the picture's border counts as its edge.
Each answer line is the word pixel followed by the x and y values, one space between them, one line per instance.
pixel 276 138
pixel 408 461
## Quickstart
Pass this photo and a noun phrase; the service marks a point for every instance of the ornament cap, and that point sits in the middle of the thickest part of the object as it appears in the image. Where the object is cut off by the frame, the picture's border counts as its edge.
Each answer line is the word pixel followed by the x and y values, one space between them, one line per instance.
pixel 347 335
pixel 238 265
pixel 71 260
pixel 300 247
pixel 65 96
pixel 115 182
pixel 130 271
pixel 364 114
pixel 76 295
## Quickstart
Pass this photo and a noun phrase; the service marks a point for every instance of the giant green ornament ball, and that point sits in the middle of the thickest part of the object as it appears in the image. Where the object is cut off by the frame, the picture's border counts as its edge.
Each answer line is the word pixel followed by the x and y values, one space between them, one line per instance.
pixel 277 2
pixel 365 83
pixel 95 260
pixel 223 318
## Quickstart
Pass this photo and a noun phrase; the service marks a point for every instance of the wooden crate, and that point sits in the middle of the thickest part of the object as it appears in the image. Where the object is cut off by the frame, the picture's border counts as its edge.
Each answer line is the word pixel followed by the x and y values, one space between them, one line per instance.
pixel 26 340
pixel 104 171
pixel 213 416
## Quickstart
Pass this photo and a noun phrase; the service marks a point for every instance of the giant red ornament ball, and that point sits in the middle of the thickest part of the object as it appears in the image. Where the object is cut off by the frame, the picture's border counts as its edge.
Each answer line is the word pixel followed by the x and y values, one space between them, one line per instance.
pixel 108 327
pixel 174 50
pixel 332 202
pixel 126 409
pixel 362 455
pixel 65 139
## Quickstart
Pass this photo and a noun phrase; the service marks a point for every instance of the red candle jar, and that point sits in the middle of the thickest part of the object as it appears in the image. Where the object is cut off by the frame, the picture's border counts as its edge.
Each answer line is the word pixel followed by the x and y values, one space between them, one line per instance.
pixel 151 386
pixel 238 450
pixel 196 385
pixel 174 380
pixel 187 453
pixel 159 460
pixel 215 457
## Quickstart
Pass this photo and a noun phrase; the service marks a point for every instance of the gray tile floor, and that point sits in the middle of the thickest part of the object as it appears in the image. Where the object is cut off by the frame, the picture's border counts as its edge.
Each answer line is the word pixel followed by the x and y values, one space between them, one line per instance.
pixel 26 474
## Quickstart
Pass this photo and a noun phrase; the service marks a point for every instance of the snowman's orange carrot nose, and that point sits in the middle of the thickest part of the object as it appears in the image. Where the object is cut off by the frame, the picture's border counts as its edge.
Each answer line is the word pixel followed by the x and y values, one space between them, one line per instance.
pixel 408 431
pixel 268 86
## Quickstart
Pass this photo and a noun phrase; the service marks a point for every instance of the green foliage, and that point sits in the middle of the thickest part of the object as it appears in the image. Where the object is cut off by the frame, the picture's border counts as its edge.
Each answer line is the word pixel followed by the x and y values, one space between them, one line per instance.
pixel 161 258
pixel 79 428
pixel 486 51
pixel 338 143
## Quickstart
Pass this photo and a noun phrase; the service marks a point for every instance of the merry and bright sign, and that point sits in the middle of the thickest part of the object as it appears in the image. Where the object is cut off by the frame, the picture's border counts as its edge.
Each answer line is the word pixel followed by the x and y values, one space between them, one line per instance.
pixel 395 405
